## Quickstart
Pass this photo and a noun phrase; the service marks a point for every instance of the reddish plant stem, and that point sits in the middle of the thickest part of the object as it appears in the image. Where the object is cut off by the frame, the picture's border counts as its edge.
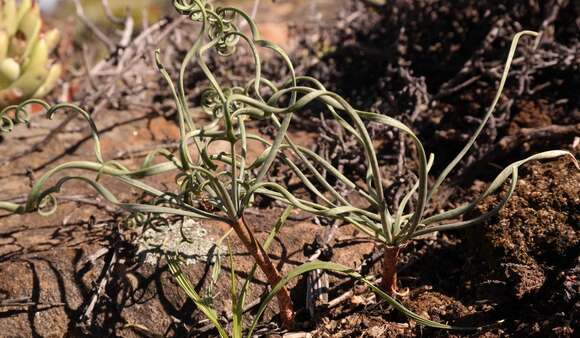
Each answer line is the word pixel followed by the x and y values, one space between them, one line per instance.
pixel 268 268
pixel 390 259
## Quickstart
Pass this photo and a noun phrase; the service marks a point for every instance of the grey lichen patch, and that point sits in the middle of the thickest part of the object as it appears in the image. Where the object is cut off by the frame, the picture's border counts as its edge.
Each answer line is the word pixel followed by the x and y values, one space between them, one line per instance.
pixel 186 239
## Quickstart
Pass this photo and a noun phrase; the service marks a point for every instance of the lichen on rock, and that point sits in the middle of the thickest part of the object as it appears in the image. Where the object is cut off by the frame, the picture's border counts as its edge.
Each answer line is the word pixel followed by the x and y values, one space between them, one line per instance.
pixel 186 239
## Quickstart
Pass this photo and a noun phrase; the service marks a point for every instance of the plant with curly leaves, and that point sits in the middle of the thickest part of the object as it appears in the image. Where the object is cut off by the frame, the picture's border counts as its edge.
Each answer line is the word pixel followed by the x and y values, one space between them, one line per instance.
pixel 221 185
pixel 394 228
pixel 217 186
pixel 228 179
pixel 222 181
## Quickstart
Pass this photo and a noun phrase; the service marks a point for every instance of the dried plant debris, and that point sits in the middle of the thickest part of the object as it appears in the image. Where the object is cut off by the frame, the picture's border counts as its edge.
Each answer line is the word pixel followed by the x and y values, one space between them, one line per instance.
pixel 154 243
pixel 432 64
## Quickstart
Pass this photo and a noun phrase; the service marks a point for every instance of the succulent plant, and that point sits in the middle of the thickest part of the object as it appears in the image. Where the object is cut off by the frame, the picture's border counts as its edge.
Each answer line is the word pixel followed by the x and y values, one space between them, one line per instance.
pixel 26 70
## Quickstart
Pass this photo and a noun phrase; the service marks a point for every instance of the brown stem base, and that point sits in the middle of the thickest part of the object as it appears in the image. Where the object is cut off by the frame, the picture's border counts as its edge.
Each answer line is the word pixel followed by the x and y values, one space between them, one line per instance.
pixel 390 259
pixel 268 268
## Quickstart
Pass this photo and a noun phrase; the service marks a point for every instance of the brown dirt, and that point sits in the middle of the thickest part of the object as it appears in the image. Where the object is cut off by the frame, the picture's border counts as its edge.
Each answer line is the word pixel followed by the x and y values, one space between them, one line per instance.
pixel 538 227
pixel 532 248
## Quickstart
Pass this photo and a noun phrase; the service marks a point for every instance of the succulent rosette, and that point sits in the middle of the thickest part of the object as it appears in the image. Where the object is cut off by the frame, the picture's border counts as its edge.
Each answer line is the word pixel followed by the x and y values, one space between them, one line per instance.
pixel 26 69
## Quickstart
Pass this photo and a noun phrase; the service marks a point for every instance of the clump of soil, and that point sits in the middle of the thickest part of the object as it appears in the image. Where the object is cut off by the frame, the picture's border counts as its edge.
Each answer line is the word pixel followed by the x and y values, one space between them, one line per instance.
pixel 537 230
pixel 530 250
